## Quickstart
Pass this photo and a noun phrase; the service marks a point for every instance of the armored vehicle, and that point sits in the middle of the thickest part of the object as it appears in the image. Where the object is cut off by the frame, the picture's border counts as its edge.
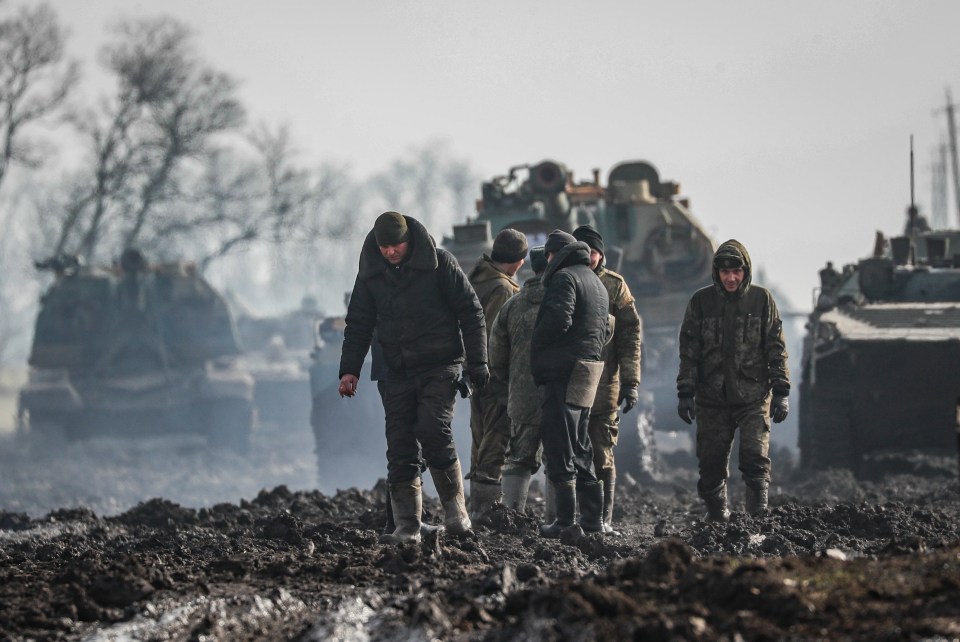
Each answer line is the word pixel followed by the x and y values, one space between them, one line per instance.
pixel 881 356
pixel 134 350
pixel 651 238
pixel 276 350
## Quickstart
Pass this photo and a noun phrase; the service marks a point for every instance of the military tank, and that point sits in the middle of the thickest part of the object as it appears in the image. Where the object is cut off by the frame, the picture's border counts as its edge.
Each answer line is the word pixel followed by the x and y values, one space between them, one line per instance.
pixel 881 355
pixel 651 238
pixel 134 350
pixel 276 351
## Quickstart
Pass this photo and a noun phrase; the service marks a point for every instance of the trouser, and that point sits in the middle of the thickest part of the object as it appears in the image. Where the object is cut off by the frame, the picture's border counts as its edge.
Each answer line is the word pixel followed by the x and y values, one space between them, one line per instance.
pixel 604 429
pixel 490 431
pixel 419 416
pixel 567 452
pixel 716 428
pixel 525 450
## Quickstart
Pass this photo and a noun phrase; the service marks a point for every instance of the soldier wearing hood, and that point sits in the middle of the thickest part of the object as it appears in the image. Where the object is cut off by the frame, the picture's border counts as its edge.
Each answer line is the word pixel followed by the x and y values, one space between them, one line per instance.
pixel 570 331
pixel 732 355
pixel 427 319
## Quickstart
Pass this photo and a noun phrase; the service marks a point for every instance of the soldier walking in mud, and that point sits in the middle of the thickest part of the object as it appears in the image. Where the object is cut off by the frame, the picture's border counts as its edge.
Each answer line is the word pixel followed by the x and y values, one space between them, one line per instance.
pixel 732 354
pixel 425 313
pixel 571 329
pixel 492 280
pixel 509 352
pixel 620 383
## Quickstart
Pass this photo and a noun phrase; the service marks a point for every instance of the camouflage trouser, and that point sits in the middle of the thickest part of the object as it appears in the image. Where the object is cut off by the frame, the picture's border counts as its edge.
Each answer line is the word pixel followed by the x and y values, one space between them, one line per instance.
pixel 716 428
pixel 490 429
pixel 604 429
pixel 525 450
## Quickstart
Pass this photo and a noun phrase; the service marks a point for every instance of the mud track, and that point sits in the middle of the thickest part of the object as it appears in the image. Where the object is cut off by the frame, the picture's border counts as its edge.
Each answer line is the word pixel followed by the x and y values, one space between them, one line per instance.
pixel 835 558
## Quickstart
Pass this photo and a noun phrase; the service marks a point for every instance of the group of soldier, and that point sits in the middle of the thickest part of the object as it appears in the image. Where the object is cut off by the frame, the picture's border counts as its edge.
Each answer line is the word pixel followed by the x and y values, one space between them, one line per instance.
pixel 565 354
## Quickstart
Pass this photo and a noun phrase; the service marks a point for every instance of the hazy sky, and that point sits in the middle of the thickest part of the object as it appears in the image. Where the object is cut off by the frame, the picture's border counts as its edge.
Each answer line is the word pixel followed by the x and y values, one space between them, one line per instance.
pixel 787 123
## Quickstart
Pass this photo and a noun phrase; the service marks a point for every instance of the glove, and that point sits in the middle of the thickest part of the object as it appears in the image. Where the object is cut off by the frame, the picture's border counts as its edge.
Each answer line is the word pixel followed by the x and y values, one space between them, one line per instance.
pixel 627 398
pixel 779 408
pixel 479 376
pixel 686 409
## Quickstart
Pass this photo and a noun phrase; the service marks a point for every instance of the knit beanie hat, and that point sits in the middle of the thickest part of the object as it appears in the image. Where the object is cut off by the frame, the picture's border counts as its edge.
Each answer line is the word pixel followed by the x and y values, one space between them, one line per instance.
pixel 391 229
pixel 509 247
pixel 538 259
pixel 558 240
pixel 589 235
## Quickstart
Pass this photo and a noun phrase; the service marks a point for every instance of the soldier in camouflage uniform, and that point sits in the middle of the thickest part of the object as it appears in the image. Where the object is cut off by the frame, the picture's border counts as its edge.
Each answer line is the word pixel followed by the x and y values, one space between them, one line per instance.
pixel 620 382
pixel 508 350
pixel 492 280
pixel 732 355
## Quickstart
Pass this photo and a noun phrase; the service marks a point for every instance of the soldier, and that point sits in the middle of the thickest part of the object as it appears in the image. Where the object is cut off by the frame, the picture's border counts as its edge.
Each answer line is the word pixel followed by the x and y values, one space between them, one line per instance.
pixel 492 279
pixel 509 352
pixel 568 337
pixel 732 355
pixel 425 312
pixel 620 382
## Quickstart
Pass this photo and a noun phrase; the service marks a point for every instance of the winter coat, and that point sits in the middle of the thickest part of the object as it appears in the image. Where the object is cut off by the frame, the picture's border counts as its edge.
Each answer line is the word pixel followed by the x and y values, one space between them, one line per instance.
pixel 509 349
pixel 623 353
pixel 493 288
pixel 424 311
pixel 572 321
pixel 731 343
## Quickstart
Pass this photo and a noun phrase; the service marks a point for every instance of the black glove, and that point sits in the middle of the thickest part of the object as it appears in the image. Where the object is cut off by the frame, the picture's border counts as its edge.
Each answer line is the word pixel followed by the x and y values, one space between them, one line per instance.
pixel 779 408
pixel 479 376
pixel 686 409
pixel 627 398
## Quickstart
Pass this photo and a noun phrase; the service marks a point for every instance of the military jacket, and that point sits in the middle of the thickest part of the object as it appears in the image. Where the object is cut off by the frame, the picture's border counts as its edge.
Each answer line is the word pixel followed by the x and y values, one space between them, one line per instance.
pixel 622 356
pixel 509 351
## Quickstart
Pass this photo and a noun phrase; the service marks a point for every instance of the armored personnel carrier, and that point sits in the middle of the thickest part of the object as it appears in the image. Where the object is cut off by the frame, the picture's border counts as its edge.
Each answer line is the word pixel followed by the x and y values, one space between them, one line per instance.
pixel 652 239
pixel 881 357
pixel 134 350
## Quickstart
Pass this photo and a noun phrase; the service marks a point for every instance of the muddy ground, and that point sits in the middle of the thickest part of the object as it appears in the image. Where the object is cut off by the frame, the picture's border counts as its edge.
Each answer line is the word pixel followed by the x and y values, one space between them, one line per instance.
pixel 170 541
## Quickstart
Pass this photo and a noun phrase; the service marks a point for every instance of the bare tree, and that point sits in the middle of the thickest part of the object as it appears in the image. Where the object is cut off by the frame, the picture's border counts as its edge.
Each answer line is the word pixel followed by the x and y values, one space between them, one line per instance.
pixel 167 109
pixel 35 80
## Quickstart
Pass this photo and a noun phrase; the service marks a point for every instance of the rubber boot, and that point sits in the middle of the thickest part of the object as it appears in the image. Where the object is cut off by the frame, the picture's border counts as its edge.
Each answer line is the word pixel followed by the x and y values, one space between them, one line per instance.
pixel 515 489
pixel 590 500
pixel 483 496
pixel 566 502
pixel 609 480
pixel 757 490
pixel 717 506
pixel 549 501
pixel 389 525
pixel 449 483
pixel 407 502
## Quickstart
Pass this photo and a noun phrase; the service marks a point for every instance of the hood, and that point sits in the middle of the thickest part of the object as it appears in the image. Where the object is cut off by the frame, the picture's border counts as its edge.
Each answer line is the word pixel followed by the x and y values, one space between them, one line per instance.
pixel 735 248
pixel 571 254
pixel 423 251
pixel 485 271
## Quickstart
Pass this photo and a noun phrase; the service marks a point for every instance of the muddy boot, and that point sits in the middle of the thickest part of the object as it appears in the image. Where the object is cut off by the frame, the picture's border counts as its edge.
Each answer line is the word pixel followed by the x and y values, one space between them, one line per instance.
pixel 389 525
pixel 515 488
pixel 757 496
pixel 449 483
pixel 483 496
pixel 407 505
pixel 549 502
pixel 590 500
pixel 717 505
pixel 566 502
pixel 609 480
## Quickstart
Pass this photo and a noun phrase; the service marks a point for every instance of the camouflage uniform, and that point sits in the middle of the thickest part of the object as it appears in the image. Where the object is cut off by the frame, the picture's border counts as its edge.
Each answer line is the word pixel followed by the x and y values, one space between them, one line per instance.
pixel 509 354
pixel 489 423
pixel 622 366
pixel 732 354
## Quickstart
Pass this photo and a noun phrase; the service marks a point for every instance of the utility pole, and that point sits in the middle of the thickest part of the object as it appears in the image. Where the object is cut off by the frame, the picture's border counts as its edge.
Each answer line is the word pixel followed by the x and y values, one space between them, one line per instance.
pixel 952 130
pixel 938 201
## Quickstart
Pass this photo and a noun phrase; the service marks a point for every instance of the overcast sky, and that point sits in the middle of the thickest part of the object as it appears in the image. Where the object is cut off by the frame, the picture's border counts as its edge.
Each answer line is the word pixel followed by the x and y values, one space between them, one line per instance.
pixel 786 123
